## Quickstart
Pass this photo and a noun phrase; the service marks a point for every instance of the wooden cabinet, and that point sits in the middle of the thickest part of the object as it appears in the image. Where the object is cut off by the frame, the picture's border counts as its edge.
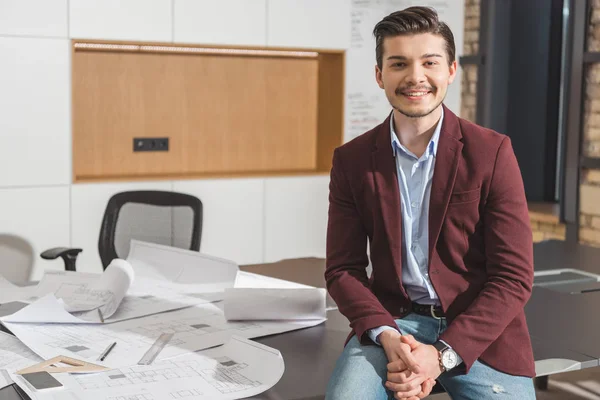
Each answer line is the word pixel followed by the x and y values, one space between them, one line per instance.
pixel 226 111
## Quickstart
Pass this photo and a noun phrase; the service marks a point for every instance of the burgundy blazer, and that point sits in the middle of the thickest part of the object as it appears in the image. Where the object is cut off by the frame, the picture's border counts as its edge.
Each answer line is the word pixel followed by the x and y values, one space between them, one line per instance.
pixel 480 241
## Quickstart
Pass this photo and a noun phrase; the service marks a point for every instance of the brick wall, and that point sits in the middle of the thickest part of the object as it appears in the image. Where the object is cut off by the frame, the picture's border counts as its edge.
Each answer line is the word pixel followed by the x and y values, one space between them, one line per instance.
pixel 470 46
pixel 546 228
pixel 544 223
pixel 589 191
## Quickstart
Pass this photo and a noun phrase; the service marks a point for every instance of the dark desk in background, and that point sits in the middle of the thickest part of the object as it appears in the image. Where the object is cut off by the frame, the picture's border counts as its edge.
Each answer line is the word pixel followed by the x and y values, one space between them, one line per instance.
pixel 563 327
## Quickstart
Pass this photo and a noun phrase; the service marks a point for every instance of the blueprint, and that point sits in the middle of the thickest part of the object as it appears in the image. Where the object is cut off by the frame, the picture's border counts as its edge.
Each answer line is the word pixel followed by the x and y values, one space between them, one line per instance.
pixel 194 328
pixel 240 368
pixel 104 294
pixel 147 296
pixel 14 355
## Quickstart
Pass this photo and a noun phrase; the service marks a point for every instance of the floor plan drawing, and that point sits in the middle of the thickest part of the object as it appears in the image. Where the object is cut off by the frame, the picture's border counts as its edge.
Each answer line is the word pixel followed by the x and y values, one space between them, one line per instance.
pixel 240 368
pixel 225 376
pixel 14 355
pixel 194 328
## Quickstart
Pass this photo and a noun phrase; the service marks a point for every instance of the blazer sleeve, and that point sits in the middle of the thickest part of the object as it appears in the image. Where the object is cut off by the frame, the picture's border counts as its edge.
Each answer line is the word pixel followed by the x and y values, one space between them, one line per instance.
pixel 509 263
pixel 345 272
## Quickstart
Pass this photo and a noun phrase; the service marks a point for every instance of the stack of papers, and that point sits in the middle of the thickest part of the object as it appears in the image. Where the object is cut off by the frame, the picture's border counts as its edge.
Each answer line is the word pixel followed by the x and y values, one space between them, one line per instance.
pixel 199 300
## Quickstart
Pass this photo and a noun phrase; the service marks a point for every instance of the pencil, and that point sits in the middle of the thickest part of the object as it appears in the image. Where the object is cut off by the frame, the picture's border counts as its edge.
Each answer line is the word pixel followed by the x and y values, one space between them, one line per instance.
pixel 108 349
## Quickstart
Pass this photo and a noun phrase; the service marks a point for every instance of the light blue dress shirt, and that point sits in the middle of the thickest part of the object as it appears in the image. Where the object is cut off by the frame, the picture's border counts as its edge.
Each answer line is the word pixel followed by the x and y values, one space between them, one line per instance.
pixel 415 175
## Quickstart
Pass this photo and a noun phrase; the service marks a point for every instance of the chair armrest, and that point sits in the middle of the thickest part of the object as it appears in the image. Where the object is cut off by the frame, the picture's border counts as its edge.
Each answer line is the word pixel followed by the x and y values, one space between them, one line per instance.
pixel 68 254
pixel 56 252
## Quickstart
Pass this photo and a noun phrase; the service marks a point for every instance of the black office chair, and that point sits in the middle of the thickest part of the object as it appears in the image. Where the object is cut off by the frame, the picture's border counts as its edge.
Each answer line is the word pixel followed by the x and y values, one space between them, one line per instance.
pixel 169 218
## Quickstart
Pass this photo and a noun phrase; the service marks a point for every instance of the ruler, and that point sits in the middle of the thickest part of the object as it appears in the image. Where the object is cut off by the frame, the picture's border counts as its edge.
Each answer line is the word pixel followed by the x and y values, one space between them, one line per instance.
pixel 155 349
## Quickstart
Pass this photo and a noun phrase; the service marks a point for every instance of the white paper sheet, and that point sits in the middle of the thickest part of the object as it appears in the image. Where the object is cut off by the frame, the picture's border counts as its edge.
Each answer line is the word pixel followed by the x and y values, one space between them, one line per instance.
pixel 178 265
pixel 48 309
pixel 194 328
pixel 250 280
pixel 238 369
pixel 274 304
pixel 14 355
pixel 5 379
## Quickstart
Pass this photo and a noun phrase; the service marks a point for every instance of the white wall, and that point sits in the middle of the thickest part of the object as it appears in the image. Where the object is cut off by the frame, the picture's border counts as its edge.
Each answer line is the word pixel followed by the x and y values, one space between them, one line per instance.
pixel 247 220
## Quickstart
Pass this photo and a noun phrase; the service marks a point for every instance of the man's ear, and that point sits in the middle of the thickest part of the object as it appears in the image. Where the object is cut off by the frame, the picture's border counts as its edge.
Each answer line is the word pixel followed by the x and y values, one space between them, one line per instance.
pixel 452 67
pixel 378 76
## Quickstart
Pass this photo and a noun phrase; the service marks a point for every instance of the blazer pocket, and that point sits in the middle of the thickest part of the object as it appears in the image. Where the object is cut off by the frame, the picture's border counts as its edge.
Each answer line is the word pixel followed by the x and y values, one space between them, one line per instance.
pixel 465 197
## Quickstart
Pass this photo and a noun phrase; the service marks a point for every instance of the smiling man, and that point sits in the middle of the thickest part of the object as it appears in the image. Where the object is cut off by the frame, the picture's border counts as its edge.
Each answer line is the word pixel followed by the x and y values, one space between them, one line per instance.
pixel 441 203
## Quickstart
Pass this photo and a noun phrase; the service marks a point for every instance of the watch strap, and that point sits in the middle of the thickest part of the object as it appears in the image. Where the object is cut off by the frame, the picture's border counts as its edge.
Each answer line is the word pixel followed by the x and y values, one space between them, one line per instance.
pixel 441 347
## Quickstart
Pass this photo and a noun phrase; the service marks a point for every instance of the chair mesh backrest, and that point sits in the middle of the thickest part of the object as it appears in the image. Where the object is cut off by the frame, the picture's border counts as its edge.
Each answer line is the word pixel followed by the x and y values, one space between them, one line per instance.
pixel 168 218
pixel 168 225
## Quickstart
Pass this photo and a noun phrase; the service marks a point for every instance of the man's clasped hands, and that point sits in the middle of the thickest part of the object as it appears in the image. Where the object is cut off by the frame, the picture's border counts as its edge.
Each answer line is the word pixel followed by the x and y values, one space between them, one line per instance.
pixel 412 366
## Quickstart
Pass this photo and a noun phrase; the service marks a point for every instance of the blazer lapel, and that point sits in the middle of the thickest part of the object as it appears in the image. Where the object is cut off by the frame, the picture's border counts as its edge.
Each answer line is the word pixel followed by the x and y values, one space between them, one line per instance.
pixel 386 182
pixel 444 174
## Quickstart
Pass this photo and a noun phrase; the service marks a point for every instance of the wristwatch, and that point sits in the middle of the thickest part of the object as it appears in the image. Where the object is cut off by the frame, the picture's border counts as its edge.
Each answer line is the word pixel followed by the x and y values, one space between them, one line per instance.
pixel 447 357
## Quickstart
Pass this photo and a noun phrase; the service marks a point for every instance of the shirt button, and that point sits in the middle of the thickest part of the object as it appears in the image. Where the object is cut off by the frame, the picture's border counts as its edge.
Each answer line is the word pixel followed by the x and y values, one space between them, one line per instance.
pixel 414 204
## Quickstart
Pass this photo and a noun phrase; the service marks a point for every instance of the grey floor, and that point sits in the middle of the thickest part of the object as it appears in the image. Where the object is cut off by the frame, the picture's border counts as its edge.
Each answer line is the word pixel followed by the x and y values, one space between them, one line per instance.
pixel 576 385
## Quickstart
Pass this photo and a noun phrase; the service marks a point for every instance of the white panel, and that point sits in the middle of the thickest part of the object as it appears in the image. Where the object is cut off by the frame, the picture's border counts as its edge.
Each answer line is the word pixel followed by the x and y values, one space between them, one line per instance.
pixel 296 217
pixel 121 19
pixel 88 202
pixel 233 217
pixel 33 220
pixel 228 22
pixel 33 17
pixel 455 18
pixel 309 23
pixel 35 123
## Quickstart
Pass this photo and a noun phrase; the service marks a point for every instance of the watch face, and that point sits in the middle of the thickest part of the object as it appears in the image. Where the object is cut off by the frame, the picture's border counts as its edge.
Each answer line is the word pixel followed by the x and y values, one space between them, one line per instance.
pixel 449 359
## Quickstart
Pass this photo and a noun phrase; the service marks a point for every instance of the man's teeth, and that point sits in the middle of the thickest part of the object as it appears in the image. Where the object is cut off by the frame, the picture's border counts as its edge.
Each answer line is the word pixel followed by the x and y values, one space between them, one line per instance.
pixel 415 94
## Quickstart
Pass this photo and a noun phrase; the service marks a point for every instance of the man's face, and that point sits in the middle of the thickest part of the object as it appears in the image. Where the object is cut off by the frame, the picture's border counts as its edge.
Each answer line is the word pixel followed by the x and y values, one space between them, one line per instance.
pixel 415 73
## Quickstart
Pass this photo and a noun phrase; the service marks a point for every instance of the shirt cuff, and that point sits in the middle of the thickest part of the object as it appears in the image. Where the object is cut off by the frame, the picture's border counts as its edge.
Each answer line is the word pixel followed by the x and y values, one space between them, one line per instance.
pixel 375 332
pixel 460 360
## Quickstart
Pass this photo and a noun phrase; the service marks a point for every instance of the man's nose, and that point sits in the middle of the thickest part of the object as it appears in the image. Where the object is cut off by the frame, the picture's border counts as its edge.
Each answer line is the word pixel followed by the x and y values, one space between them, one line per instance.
pixel 415 75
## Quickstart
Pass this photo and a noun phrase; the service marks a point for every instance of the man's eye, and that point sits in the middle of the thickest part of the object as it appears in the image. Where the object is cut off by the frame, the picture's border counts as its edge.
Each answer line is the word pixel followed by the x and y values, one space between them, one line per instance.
pixel 430 63
pixel 399 64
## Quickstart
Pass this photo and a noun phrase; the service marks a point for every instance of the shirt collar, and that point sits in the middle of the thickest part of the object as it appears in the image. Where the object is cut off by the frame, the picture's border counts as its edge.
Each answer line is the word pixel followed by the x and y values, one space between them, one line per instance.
pixel 433 142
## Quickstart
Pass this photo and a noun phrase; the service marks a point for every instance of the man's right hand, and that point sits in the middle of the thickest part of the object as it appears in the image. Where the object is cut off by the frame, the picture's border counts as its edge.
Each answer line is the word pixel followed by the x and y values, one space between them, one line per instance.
pixel 396 350
pixel 399 352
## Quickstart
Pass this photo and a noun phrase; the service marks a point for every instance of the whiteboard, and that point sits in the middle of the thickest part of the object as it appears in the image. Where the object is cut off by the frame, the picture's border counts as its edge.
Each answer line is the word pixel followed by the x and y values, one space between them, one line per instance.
pixel 366 104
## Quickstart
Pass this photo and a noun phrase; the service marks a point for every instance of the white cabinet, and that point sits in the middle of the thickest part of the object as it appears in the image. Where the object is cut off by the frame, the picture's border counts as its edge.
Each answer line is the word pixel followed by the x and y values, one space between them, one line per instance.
pixel 309 23
pixel 32 220
pixel 233 217
pixel 226 22
pixel 46 18
pixel 121 20
pixel 35 129
pixel 88 202
pixel 296 217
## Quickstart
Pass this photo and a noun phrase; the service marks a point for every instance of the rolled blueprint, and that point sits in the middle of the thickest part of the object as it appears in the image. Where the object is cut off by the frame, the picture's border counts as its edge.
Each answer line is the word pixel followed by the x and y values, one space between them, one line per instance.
pixel 274 304
pixel 105 294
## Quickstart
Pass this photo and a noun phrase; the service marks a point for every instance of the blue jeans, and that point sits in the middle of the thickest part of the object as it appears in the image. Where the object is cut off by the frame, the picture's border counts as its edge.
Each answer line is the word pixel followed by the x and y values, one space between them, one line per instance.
pixel 360 372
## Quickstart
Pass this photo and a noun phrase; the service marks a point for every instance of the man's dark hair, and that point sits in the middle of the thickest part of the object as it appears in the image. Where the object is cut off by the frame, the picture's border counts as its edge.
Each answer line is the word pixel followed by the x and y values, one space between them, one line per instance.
pixel 411 21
